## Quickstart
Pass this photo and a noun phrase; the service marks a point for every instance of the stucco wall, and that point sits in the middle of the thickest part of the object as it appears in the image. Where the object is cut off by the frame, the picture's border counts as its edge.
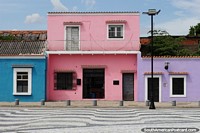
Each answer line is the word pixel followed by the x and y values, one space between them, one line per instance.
pixel 114 64
pixel 189 65
pixel 38 79
pixel 93 31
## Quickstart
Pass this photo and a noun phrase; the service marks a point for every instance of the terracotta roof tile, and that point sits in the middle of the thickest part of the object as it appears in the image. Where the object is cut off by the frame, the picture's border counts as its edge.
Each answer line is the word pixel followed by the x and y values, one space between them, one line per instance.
pixel 72 23
pixel 22 48
pixel 116 21
pixel 145 41
pixel 178 73
pixel 128 71
pixel 23 31
pixel 26 35
pixel 154 73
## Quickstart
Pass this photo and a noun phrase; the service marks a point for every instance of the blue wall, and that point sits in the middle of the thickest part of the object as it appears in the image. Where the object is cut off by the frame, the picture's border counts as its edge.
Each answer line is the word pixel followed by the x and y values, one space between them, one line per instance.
pixel 38 79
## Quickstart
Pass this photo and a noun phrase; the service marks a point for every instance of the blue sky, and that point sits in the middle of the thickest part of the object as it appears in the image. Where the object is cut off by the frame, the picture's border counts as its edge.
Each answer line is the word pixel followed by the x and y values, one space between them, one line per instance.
pixel 176 16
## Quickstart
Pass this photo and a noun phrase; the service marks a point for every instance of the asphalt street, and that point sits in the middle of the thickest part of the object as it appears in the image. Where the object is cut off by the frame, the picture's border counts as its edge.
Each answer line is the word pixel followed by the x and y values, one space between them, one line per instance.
pixel 94 120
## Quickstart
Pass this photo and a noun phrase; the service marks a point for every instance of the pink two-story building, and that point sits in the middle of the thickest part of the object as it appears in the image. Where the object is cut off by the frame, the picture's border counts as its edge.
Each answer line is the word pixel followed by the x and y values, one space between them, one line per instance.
pixel 92 55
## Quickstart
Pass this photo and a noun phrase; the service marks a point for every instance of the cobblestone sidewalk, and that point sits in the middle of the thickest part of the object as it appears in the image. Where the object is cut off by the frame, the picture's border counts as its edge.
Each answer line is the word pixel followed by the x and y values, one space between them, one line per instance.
pixel 91 103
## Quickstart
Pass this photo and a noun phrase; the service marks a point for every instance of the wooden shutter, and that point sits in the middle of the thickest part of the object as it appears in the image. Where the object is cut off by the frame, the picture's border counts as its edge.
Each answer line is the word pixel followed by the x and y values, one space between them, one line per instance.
pixel 55 80
pixel 74 80
pixel 72 38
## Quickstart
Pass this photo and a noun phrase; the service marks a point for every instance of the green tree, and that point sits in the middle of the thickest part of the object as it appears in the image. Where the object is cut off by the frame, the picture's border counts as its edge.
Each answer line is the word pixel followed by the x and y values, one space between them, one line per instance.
pixel 166 45
pixel 194 30
pixel 159 33
pixel 7 38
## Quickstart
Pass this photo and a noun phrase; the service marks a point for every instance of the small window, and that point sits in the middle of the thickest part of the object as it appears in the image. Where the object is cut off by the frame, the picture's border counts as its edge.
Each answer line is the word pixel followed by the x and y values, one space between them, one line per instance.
pixel 178 86
pixel 22 81
pixel 65 80
pixel 115 31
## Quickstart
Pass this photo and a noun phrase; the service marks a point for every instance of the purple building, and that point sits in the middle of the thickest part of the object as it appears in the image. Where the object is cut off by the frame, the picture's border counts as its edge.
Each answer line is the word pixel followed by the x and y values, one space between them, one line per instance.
pixel 175 78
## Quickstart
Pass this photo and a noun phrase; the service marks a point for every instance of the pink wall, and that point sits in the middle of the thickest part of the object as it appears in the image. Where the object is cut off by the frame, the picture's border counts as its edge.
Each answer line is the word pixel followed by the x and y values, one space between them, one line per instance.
pixel 93 31
pixel 114 65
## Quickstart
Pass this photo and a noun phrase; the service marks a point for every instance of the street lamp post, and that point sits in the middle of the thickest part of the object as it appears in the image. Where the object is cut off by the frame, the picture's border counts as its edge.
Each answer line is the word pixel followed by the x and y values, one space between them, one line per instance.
pixel 152 12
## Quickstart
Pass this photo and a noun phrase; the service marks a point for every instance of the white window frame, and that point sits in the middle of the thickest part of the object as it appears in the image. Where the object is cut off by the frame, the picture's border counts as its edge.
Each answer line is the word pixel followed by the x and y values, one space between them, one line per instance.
pixel 65 33
pixel 160 86
pixel 123 28
pixel 177 76
pixel 15 70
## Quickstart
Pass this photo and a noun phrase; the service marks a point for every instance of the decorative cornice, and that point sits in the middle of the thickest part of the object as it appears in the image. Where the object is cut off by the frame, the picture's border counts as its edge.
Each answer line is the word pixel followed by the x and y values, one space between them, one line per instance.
pixel 154 73
pixel 178 73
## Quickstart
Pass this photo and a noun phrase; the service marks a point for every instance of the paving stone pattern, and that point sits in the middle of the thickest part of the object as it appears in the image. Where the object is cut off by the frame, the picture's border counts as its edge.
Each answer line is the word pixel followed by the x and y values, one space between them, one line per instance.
pixel 90 119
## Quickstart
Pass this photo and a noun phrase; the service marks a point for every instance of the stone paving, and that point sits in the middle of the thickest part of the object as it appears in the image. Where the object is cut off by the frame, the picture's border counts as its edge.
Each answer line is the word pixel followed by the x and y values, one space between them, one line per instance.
pixel 102 103
pixel 90 120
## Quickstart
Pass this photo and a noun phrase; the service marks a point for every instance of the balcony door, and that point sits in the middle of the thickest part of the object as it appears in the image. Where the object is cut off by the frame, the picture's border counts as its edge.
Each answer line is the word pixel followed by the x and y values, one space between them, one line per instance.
pixel 72 38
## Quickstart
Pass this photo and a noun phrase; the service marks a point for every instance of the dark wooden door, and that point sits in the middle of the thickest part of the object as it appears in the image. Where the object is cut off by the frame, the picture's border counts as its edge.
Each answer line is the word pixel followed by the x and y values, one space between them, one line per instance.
pixel 128 86
pixel 155 88
pixel 93 83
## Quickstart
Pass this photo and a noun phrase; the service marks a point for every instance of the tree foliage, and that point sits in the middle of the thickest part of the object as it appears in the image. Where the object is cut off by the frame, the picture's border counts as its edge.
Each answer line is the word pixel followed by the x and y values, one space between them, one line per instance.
pixel 159 32
pixel 194 30
pixel 166 45
pixel 7 38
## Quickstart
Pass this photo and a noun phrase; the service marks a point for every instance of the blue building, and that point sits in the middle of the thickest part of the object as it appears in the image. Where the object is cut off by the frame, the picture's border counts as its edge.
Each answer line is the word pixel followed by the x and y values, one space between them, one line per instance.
pixel 22 71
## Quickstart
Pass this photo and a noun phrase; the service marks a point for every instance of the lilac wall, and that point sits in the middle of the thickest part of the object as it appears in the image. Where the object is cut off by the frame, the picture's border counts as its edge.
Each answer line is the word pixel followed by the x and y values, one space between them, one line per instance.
pixel 189 65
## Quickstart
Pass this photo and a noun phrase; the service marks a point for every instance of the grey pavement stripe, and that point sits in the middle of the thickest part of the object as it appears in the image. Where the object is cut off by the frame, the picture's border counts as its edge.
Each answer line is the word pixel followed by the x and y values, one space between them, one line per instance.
pixel 35 119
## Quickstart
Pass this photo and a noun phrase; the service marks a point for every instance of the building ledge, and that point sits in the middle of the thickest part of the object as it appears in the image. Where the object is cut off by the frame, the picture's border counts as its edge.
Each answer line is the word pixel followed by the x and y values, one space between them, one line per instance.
pixel 154 73
pixel 178 73
pixel 92 52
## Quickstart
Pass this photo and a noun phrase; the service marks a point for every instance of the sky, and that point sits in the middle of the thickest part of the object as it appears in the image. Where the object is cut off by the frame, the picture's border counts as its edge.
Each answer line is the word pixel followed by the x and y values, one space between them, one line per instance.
pixel 176 16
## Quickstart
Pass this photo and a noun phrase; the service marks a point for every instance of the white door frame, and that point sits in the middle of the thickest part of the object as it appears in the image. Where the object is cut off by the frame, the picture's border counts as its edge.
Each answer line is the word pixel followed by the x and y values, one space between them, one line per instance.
pixel 146 86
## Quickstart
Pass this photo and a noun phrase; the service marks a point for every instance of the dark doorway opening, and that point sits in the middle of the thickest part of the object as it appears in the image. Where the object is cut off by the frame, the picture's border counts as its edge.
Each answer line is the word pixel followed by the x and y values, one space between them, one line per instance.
pixel 93 83
pixel 155 87
pixel 128 86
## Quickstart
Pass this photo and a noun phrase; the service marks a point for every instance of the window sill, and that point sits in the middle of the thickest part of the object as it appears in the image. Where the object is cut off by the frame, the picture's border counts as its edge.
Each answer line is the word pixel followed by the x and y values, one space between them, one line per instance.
pixel 115 39
pixel 22 94
pixel 174 96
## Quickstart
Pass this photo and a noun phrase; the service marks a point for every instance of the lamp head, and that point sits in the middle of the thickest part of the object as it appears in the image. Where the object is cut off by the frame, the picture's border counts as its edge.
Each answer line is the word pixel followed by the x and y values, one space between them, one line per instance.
pixel 152 12
pixel 166 65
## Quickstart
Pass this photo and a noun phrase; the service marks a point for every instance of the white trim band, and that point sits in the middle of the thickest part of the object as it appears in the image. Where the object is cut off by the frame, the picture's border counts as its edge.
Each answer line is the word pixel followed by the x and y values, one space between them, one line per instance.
pixel 92 52
pixel 22 57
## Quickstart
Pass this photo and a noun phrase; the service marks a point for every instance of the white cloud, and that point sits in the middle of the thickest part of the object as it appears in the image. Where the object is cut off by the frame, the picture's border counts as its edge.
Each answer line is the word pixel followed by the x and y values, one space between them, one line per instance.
pixel 179 13
pixel 89 3
pixel 186 13
pixel 179 26
pixel 192 6
pixel 58 6
pixel 75 8
pixel 34 18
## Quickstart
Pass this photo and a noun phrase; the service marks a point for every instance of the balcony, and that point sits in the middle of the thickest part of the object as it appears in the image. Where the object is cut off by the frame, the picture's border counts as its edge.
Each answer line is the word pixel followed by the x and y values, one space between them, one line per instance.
pixel 93 45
